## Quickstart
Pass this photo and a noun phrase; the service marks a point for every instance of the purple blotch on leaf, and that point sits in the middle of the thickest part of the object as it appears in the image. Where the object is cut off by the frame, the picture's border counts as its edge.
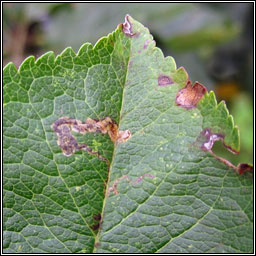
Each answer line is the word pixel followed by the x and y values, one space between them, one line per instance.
pixel 210 138
pixel 127 26
pixel 164 80
pixel 96 226
pixel 97 216
pixel 207 144
pixel 146 44
pixel 97 245
pixel 243 167
pixel 141 177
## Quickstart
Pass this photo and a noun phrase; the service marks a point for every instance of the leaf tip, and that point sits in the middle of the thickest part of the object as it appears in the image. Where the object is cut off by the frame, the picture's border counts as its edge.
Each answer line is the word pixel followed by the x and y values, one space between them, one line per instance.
pixel 127 26
pixel 10 67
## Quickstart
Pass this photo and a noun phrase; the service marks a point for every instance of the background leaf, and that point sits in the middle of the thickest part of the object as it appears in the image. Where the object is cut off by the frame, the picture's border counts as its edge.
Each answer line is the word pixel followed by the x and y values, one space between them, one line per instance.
pixel 161 193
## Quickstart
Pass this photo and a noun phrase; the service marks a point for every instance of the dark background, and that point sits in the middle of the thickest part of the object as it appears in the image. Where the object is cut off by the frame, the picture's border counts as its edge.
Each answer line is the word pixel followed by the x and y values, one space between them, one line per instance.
pixel 213 41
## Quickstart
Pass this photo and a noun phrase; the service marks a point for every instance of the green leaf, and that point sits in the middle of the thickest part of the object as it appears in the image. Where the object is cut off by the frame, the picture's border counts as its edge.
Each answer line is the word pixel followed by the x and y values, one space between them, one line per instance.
pixel 155 191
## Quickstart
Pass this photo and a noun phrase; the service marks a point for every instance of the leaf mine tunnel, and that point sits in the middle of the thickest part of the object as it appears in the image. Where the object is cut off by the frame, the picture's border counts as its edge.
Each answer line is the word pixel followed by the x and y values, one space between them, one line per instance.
pixel 67 142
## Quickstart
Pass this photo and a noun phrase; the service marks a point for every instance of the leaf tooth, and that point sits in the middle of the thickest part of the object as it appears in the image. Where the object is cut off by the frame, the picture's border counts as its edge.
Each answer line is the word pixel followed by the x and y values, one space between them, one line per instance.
pixel 46 58
pixel 180 76
pixel 236 138
pixel 84 48
pixel 230 122
pixel 68 52
pixel 25 67
pixel 9 71
pixel 212 99
pixel 221 107
pixel 232 139
pixel 100 43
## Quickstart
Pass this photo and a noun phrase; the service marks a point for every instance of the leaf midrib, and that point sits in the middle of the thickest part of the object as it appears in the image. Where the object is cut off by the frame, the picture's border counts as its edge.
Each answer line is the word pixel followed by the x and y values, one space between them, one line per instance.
pixel 114 150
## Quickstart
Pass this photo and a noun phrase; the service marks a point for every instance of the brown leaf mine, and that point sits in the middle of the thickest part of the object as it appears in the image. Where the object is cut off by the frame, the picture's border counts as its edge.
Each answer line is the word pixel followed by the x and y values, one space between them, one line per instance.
pixel 95 226
pixel 67 142
pixel 208 140
pixel 164 80
pixel 123 136
pixel 97 217
pixel 189 96
pixel 125 177
pixel 243 167
pixel 127 26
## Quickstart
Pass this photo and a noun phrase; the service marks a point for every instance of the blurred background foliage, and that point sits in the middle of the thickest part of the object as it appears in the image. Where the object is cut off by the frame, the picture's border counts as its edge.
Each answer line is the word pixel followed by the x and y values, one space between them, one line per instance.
pixel 213 41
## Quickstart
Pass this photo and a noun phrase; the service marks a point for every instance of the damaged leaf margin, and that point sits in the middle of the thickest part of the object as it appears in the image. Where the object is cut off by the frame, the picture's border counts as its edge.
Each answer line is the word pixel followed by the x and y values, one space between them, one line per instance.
pixel 218 124
pixel 217 118
pixel 189 96
pixel 118 218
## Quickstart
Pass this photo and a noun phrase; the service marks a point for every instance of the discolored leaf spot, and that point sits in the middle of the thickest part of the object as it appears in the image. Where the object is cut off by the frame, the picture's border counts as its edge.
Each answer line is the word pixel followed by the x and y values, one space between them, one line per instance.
pixel 127 26
pixel 243 167
pixel 125 177
pixel 97 245
pixel 95 226
pixel 210 138
pixel 68 144
pixel 114 187
pixel 66 140
pixel 146 44
pixel 189 96
pixel 123 136
pixel 231 149
pixel 97 217
pixel 130 64
pixel 141 178
pixel 164 80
